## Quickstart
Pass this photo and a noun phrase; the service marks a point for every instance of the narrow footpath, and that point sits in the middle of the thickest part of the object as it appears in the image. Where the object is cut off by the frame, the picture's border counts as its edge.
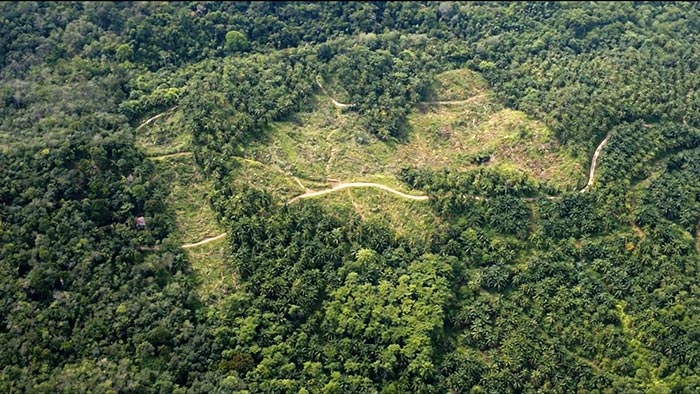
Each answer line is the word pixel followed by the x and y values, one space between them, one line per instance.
pixel 357 184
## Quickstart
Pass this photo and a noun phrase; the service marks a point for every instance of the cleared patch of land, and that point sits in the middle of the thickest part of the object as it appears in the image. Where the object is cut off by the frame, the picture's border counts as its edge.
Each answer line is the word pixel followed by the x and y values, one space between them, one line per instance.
pixel 459 137
pixel 163 135
pixel 214 275
pixel 188 198
pixel 457 85
pixel 406 217
pixel 325 147
pixel 197 228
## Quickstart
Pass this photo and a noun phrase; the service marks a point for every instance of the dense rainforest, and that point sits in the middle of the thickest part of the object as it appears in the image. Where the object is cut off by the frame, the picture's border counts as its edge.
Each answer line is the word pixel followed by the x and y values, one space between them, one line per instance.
pixel 523 286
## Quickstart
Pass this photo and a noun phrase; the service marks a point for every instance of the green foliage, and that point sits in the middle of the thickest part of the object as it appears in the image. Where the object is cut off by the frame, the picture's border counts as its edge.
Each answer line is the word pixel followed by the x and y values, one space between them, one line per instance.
pixel 236 42
pixel 383 84
pixel 124 52
pixel 521 288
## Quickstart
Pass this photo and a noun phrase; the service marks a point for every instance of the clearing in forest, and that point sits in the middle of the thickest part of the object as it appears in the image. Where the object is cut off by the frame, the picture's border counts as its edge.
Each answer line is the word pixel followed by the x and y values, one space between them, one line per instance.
pixel 214 278
pixel 162 135
pixel 460 127
pixel 170 151
pixel 195 219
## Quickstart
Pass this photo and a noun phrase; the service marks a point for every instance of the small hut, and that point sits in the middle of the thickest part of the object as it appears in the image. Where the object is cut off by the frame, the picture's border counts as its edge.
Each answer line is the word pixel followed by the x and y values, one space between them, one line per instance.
pixel 140 222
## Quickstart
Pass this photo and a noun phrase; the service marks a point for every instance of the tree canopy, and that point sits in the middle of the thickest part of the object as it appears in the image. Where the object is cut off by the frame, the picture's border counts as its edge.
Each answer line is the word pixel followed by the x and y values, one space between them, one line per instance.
pixel 520 287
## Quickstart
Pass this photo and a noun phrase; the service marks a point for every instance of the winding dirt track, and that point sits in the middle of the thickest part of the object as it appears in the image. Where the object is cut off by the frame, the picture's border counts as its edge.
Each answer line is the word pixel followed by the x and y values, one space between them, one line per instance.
pixel 453 102
pixel 594 163
pixel 336 103
pixel 357 184
pixel 204 241
pixel 447 102
pixel 178 154
pixel 154 117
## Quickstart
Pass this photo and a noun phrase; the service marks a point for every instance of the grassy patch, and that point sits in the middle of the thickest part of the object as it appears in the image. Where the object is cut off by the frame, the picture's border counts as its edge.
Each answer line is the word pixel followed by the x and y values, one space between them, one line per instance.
pixel 163 136
pixel 412 218
pixel 188 198
pixel 215 277
pixel 409 218
pixel 268 176
pixel 458 84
